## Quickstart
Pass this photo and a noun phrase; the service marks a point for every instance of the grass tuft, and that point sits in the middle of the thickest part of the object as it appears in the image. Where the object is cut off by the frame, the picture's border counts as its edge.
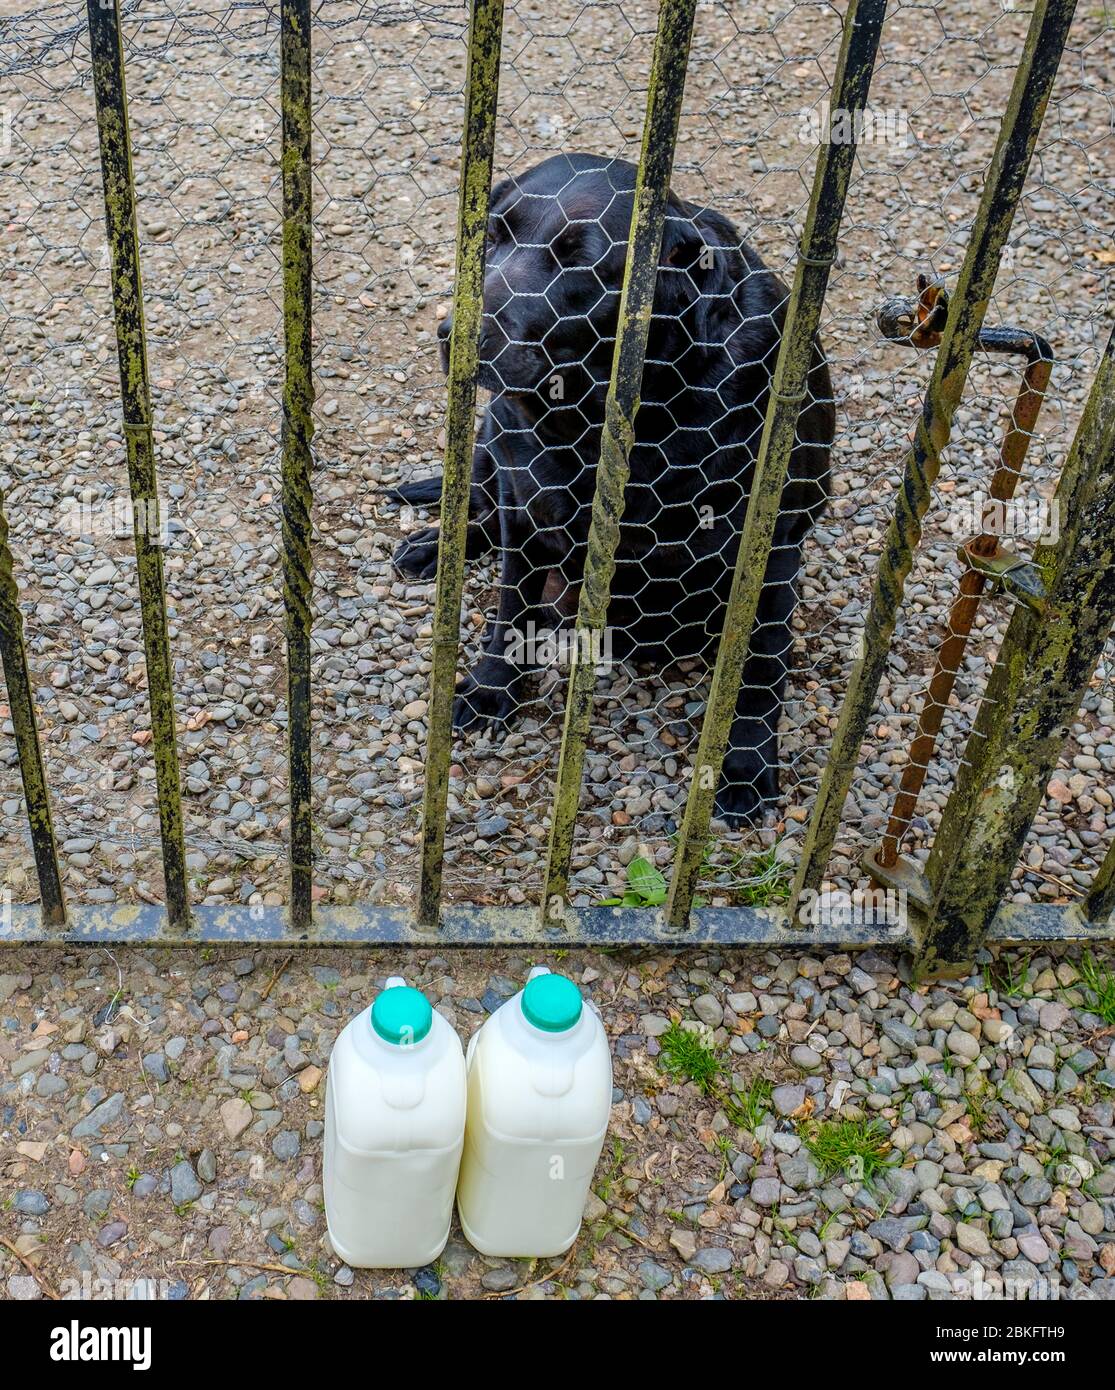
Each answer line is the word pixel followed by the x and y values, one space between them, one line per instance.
pixel 684 1054
pixel 979 1100
pixel 747 1109
pixel 1100 986
pixel 858 1148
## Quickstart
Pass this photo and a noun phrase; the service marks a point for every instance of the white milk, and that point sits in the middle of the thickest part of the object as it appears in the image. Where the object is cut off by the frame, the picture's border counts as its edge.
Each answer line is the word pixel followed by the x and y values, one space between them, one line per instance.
pixel 394 1128
pixel 539 1098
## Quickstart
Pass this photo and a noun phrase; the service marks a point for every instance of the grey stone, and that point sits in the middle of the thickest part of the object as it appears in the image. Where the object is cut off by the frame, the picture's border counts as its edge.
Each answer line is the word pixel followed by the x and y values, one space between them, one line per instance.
pixel 97 1203
pixel 712 1259
pixel 709 1010
pixel 110 1234
pixel 1035 1192
pixel 31 1202
pixel 901 1034
pixel 107 1113
pixel 154 1064
pixel 654 1276
pixel 805 1058
pixel 286 1144
pixel 765 1191
pixel 184 1186
pixel 787 1099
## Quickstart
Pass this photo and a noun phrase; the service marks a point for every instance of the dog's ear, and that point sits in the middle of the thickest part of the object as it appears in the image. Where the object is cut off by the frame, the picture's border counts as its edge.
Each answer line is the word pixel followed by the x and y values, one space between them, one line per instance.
pixel 696 277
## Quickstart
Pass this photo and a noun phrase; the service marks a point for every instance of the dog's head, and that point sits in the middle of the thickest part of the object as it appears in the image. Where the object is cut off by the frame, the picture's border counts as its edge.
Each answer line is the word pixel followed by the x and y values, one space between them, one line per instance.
pixel 557 246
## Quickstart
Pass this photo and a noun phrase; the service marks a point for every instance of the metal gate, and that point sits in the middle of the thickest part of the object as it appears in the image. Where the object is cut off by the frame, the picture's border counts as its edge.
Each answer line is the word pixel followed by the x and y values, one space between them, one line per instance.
pixel 1063 595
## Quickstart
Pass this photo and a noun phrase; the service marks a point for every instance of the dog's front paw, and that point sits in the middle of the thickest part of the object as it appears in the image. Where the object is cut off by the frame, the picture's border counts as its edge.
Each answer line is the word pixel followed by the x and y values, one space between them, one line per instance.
pixel 748 783
pixel 488 695
pixel 416 556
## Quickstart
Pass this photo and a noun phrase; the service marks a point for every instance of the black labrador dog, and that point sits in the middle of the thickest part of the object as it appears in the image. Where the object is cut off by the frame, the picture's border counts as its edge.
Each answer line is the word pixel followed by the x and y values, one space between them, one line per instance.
pixel 555 263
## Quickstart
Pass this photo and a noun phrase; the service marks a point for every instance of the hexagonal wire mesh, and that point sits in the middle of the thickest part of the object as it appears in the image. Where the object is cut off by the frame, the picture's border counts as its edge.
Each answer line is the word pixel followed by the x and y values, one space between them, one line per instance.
pixel 203 89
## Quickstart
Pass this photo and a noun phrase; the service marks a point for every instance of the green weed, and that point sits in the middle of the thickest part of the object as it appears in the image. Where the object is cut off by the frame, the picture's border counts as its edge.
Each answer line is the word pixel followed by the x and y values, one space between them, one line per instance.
pixel 859 1148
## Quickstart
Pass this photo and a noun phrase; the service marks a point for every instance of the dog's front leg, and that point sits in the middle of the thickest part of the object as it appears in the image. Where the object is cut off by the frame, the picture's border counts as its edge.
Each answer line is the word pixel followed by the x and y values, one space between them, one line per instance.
pixel 489 692
pixel 749 779
pixel 416 555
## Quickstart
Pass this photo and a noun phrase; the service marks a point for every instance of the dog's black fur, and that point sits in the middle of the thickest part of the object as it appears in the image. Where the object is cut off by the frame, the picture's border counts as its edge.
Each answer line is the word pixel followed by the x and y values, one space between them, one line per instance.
pixel 555 261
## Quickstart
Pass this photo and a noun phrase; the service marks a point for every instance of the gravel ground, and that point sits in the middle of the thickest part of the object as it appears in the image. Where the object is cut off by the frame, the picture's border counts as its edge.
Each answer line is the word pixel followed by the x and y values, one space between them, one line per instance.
pixel 202 88
pixel 161 1120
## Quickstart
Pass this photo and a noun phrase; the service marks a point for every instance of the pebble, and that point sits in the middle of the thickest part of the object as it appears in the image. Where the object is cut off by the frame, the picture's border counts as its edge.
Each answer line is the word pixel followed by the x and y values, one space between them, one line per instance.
pixel 236 1116
pixel 286 1145
pixel 107 1113
pixel 709 1010
pixel 654 1276
pixel 805 1058
pixel 712 1259
pixel 765 1191
pixel 29 1202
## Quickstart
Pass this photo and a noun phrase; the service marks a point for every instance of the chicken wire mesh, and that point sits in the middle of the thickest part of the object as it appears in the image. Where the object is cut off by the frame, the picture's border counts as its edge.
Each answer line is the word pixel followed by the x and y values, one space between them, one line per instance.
pixel 203 91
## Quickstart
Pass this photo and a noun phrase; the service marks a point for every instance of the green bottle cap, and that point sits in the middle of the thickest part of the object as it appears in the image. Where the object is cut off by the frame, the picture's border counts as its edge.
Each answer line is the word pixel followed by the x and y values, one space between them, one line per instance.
pixel 402 1015
pixel 552 1003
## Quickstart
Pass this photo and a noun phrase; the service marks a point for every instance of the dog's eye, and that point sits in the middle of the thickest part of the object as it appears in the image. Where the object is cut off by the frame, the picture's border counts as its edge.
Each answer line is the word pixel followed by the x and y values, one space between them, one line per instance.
pixel 566 246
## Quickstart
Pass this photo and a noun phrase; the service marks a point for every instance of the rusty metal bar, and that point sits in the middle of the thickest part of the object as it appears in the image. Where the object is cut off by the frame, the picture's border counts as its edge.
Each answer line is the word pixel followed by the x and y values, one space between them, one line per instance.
pixel 135 393
pixel 1045 663
pixel 962 615
pixel 665 93
pixel 477 150
pixel 297 436
pixel 1033 82
pixel 789 392
pixel 13 656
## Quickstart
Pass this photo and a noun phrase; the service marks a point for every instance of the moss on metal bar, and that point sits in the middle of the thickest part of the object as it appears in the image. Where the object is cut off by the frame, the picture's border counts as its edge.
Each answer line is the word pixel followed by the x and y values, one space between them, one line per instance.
pixel 477 149
pixel 127 299
pixel 13 656
pixel 1100 903
pixel 851 84
pixel 1039 680
pixel 297 435
pixel 1018 133
pixel 665 93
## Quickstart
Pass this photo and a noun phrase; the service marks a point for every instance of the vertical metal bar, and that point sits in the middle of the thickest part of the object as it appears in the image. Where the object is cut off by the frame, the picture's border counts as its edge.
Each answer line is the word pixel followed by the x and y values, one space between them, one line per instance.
pixel 1100 903
pixel 1042 672
pixel 477 150
pixel 297 434
pixel 962 614
pixel 135 394
pixel 859 46
pixel 1033 82
pixel 13 656
pixel 665 93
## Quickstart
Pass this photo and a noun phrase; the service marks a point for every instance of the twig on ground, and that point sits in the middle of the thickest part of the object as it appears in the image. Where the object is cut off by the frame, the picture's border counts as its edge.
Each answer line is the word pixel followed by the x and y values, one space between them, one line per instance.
pixel 36 1274
pixel 246 1264
pixel 275 978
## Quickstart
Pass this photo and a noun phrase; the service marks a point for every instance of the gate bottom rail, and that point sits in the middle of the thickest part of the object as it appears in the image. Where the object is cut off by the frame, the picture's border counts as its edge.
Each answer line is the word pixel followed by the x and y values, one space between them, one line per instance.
pixel 140 925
